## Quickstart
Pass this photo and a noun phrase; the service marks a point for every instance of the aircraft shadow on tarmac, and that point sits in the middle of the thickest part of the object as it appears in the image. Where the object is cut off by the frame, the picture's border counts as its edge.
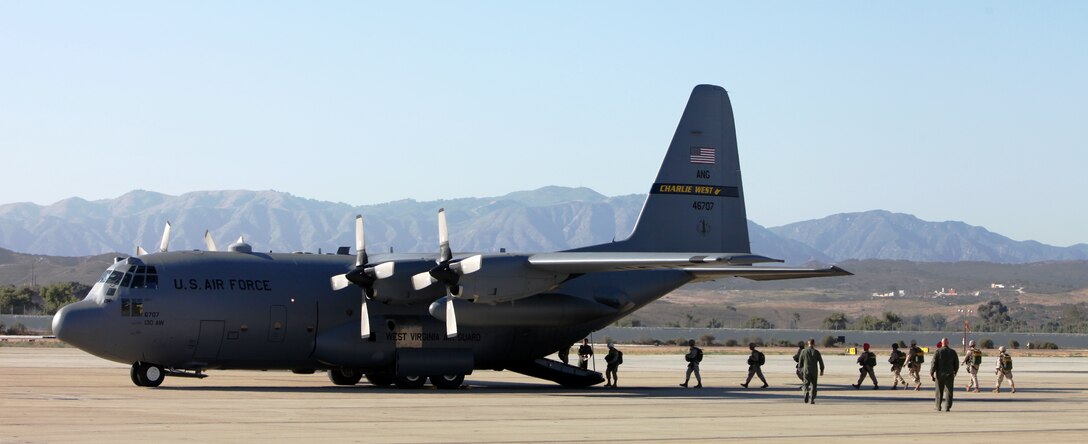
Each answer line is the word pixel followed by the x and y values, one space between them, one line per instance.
pixel 791 393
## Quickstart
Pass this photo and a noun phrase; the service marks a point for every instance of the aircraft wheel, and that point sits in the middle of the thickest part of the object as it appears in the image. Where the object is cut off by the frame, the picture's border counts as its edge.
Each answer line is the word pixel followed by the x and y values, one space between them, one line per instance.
pixel 147 375
pixel 345 376
pixel 447 382
pixel 380 379
pixel 410 382
pixel 134 373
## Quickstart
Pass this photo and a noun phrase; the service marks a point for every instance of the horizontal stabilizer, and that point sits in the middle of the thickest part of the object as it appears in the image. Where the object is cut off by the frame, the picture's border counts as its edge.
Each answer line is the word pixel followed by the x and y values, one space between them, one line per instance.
pixel 589 262
pixel 765 273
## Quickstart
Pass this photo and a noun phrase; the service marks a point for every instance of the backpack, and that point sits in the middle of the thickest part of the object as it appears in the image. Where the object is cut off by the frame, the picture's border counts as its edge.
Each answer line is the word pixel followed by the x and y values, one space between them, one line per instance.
pixel 698 354
pixel 977 357
pixel 1006 362
pixel 619 357
pixel 760 358
pixel 870 361
pixel 919 357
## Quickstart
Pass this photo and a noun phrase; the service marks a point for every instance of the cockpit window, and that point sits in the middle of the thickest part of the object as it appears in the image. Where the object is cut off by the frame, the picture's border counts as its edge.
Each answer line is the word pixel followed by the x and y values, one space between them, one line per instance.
pixel 115 277
pixel 142 277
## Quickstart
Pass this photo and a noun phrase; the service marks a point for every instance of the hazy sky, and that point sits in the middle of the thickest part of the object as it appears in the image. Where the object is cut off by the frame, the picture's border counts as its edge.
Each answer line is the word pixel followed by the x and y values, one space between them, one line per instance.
pixel 971 111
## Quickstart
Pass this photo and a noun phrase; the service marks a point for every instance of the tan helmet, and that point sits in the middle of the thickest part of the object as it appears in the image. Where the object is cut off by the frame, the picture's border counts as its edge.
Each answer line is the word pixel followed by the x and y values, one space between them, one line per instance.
pixel 1001 349
pixel 972 343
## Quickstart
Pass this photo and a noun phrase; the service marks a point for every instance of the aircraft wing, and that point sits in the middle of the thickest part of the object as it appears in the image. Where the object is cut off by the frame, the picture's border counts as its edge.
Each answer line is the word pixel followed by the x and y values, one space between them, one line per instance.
pixel 590 262
pixel 764 273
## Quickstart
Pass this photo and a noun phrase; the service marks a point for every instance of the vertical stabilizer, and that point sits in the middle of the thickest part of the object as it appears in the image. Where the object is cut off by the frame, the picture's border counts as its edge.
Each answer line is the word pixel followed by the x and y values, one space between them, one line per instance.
pixel 697 202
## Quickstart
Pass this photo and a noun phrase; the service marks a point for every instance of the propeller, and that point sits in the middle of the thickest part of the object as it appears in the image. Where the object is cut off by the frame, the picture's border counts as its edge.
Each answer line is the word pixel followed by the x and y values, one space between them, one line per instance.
pixel 447 272
pixel 209 243
pixel 164 244
pixel 362 275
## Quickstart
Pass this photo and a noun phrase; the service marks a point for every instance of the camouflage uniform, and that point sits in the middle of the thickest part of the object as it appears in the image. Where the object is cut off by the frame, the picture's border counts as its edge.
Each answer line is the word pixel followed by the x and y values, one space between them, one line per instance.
pixel 972 366
pixel 694 357
pixel 914 369
pixel 754 365
pixel 812 366
pixel 943 369
pixel 897 359
pixel 1002 372
pixel 864 360
pixel 614 358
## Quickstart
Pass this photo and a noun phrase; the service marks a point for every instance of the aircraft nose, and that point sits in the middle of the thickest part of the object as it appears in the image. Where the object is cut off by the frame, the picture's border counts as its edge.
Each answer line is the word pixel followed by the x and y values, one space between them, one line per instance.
pixel 70 322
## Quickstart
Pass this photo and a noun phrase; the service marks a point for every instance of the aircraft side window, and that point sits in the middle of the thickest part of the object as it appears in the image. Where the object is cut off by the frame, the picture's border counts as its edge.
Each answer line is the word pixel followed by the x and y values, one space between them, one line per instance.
pixel 125 307
pixel 126 280
pixel 132 269
pixel 105 275
pixel 138 307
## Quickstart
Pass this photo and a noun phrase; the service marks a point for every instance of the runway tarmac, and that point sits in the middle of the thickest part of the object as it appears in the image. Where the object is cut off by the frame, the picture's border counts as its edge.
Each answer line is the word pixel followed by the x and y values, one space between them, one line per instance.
pixel 65 395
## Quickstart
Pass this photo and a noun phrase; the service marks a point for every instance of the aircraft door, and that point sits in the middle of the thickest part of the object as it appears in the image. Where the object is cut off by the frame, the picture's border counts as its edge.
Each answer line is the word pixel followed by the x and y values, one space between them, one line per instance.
pixel 209 341
pixel 277 323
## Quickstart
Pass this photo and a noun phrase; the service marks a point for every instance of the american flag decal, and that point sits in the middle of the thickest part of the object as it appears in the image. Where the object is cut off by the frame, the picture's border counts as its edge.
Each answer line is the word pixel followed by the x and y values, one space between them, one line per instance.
pixel 702 154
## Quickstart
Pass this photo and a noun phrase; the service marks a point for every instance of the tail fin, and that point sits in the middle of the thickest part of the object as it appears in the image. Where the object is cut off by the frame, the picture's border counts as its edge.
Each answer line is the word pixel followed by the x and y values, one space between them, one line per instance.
pixel 697 202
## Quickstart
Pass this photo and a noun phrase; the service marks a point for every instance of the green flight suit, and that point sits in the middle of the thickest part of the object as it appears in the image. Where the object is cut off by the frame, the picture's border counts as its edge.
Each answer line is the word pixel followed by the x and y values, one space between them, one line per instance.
pixel 812 365
pixel 945 365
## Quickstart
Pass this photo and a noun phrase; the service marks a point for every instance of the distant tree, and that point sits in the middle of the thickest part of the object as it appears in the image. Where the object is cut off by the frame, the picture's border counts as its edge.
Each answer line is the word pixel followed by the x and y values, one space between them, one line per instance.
pixel 690 320
pixel 1014 344
pixel 836 321
pixel 892 322
pixel 17 300
pixel 830 341
pixel 714 323
pixel 866 322
pixel 987 343
pixel 795 317
pixel 995 316
pixel 707 340
pixel 731 342
pixel 934 322
pixel 757 322
pixel 61 294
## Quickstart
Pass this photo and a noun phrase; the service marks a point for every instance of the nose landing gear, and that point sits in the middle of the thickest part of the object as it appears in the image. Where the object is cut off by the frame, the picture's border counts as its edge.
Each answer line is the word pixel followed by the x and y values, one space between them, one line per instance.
pixel 145 374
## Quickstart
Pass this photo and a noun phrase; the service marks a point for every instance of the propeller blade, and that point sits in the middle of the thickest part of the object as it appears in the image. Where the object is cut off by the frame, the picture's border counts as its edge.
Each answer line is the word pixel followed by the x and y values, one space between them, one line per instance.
pixel 364 316
pixel 468 265
pixel 164 246
pixel 444 253
pixel 140 251
pixel 360 242
pixel 209 243
pixel 422 280
pixel 339 282
pixel 451 317
pixel 380 271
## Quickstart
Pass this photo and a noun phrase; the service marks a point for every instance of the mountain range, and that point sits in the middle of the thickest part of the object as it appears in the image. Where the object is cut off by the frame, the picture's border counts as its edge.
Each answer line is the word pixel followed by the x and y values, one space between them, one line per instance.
pixel 546 219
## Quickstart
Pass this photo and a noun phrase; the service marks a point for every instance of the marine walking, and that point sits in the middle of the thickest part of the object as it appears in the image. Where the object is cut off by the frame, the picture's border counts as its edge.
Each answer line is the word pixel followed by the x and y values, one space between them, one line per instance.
pixel 866 361
pixel 943 369
pixel 897 359
pixel 694 357
pixel 812 367
pixel 971 362
pixel 755 363
pixel 1004 369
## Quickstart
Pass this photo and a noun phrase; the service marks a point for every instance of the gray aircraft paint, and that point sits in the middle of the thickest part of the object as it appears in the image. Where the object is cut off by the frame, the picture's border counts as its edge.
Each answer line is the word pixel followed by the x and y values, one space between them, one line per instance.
pixel 238 309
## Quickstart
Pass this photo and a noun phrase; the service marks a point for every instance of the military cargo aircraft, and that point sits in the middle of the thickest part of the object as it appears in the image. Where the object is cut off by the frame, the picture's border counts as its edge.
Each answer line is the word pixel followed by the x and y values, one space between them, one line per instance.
pixel 403 319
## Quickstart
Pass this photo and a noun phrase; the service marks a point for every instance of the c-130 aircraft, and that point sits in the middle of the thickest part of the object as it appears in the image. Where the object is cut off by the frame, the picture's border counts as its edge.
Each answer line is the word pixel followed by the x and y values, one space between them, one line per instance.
pixel 403 319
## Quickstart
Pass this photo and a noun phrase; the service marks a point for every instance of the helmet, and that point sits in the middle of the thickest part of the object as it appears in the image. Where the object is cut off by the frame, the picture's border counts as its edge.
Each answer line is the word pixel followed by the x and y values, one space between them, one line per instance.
pixel 752 345
pixel 913 342
pixel 1001 348
pixel 895 346
pixel 691 342
pixel 972 343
